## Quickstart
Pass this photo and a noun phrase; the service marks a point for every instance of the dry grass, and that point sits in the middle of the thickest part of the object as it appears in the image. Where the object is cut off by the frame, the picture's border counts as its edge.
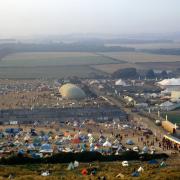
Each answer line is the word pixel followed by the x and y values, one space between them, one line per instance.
pixel 109 170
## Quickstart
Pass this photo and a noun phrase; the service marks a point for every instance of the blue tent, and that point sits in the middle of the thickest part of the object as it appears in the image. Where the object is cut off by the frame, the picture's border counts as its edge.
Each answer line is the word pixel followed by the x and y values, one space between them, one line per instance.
pixel 1 135
pixel 45 138
pixel 129 142
pixel 135 174
pixel 145 149
pixel 21 152
pixel 45 146
pixel 153 161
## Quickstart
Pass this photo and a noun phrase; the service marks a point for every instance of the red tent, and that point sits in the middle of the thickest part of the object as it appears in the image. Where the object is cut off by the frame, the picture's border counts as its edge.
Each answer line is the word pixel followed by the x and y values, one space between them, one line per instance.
pixel 84 172
pixel 75 141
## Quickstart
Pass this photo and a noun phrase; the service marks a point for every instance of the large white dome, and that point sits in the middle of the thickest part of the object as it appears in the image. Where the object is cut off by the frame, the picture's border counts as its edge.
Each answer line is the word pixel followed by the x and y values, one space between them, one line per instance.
pixel 71 91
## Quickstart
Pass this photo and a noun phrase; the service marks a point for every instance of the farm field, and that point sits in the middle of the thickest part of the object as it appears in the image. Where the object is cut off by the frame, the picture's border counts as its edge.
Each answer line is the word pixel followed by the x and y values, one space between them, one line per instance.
pixel 149 45
pixel 53 59
pixel 51 65
pixel 134 57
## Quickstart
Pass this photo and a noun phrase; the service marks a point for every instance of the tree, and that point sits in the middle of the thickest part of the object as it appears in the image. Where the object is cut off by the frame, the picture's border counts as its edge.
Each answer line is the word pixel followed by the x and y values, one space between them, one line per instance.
pixel 150 74
pixel 126 73
pixel 164 74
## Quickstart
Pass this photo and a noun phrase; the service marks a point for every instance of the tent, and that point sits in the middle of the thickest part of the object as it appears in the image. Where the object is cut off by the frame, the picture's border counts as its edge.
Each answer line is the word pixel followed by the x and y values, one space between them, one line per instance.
pixel 70 166
pixel 45 138
pixel 46 148
pixel 56 137
pixel 75 141
pixel 125 163
pixel 153 161
pixel 27 137
pixel 129 142
pixel 46 173
pixel 107 144
pixel 140 169
pixel 135 174
pixel 120 82
pixel 145 149
pixel 120 175
pixel 163 164
pixel 76 164
pixel 37 142
pixel 31 147
pixel 84 172
pixel 21 152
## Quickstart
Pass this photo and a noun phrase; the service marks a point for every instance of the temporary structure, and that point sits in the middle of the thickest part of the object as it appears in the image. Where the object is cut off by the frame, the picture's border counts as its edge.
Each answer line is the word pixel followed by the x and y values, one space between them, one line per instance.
pixel 46 173
pixel 76 164
pixel 84 172
pixel 120 175
pixel 140 169
pixel 129 142
pixel 70 166
pixel 145 149
pixel 107 144
pixel 135 174
pixel 125 163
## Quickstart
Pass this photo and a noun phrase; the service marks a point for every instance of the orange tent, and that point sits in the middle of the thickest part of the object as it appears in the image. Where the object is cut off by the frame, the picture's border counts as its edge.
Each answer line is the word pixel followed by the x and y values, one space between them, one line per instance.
pixel 84 172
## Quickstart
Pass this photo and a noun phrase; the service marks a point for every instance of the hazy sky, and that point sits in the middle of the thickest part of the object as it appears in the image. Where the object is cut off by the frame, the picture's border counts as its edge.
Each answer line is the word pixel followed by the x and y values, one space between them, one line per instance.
pixel 36 17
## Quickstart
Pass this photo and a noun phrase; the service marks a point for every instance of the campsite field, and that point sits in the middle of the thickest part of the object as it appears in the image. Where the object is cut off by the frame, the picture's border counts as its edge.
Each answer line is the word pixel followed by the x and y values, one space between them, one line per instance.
pixel 110 170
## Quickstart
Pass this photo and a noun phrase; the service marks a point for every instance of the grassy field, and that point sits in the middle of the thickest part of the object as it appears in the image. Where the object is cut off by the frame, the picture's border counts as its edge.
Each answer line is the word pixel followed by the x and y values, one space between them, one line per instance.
pixel 109 170
pixel 134 57
pixel 35 59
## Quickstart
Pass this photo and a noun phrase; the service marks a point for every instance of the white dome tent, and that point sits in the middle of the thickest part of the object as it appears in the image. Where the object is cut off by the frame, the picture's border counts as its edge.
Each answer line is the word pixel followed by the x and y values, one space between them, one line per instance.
pixel 120 82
